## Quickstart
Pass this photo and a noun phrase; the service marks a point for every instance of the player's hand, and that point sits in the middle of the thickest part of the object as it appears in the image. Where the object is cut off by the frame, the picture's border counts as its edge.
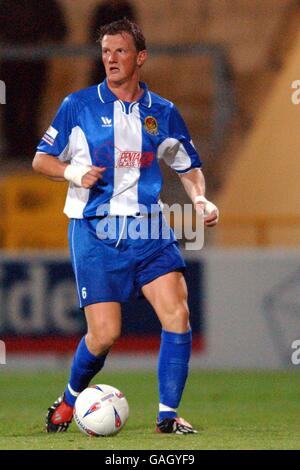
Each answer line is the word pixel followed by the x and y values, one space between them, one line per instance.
pixel 208 210
pixel 211 218
pixel 91 177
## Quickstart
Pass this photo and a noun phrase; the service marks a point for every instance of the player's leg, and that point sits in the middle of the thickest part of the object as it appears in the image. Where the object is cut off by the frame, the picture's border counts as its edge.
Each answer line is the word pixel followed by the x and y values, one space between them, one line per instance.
pixel 168 296
pixel 104 327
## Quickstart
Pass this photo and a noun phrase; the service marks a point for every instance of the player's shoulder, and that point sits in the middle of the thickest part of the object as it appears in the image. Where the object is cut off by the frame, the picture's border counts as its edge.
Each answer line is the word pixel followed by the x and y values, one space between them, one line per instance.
pixel 160 100
pixel 83 97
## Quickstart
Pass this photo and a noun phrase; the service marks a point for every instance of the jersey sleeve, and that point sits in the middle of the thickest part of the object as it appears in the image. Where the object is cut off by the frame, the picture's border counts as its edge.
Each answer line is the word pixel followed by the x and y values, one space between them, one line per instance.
pixel 55 141
pixel 178 150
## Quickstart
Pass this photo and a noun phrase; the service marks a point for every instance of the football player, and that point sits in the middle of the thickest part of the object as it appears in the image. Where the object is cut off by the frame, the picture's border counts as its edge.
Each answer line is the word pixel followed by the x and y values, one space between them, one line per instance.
pixel 107 141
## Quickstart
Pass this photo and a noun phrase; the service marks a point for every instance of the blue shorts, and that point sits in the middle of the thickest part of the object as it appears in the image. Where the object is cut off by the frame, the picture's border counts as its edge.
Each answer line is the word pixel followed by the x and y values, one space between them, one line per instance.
pixel 115 256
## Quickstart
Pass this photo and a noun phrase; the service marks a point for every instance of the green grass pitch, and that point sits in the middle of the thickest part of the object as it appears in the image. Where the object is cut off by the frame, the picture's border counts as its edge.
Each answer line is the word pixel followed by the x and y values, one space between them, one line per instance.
pixel 232 410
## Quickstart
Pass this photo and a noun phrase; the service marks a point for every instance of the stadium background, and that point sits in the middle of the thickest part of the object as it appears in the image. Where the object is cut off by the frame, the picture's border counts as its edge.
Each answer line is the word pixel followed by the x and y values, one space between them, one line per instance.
pixel 230 67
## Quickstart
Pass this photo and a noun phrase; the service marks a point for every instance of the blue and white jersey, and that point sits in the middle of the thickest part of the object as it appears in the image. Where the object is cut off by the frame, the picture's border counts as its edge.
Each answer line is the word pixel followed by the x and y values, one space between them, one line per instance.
pixel 94 127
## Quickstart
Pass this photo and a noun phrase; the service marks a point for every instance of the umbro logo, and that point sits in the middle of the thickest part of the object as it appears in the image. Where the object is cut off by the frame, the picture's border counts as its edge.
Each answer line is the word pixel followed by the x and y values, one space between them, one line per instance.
pixel 107 122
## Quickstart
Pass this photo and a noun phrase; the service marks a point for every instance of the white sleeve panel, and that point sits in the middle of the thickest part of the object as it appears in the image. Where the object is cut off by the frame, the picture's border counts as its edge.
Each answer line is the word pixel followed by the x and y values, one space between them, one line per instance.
pixel 78 152
pixel 174 154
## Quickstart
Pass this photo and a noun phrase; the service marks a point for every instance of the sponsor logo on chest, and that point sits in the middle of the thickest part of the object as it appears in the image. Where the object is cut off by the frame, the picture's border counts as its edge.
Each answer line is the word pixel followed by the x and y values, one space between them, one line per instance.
pixel 131 159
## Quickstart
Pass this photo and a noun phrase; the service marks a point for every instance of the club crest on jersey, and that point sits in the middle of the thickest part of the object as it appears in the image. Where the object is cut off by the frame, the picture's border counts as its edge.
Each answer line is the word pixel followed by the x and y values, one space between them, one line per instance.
pixel 151 126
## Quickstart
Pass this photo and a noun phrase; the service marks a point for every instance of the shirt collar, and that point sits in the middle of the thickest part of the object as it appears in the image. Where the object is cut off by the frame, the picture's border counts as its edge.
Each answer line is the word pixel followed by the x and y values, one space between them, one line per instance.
pixel 107 96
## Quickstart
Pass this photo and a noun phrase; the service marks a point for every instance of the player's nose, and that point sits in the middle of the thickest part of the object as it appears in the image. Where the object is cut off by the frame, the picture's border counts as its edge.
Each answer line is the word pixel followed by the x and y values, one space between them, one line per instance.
pixel 112 58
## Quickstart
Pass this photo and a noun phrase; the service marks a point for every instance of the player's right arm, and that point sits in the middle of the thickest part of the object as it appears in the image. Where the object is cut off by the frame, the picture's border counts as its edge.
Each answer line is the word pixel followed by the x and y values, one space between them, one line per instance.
pixel 54 156
pixel 81 175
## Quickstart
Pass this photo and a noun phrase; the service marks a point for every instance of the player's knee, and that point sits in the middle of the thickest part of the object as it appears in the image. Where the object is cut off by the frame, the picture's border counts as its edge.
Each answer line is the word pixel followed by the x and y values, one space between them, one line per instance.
pixel 177 320
pixel 182 315
pixel 100 343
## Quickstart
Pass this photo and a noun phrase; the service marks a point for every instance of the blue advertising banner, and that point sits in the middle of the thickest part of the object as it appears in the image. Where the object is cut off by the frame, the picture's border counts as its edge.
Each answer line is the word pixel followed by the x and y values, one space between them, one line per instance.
pixel 39 308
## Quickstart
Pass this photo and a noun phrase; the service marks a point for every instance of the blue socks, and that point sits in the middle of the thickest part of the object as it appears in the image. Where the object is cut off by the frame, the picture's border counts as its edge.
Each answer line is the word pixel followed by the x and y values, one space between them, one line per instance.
pixel 173 361
pixel 173 364
pixel 84 367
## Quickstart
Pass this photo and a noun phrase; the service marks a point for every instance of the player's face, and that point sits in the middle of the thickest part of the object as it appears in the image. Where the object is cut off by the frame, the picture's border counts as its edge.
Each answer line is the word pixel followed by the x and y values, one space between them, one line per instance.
pixel 120 58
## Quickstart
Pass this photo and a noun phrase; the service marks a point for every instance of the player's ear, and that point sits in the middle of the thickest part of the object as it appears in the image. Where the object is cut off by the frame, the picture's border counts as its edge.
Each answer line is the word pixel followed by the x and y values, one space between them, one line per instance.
pixel 142 57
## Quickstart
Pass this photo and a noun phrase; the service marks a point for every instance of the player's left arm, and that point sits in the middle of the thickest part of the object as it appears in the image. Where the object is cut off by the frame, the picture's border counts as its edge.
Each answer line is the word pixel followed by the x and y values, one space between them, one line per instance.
pixel 194 185
pixel 179 153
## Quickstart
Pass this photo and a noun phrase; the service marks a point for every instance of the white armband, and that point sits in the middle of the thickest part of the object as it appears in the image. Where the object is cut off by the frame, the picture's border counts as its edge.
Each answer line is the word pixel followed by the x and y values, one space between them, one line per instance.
pixel 74 173
pixel 209 207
